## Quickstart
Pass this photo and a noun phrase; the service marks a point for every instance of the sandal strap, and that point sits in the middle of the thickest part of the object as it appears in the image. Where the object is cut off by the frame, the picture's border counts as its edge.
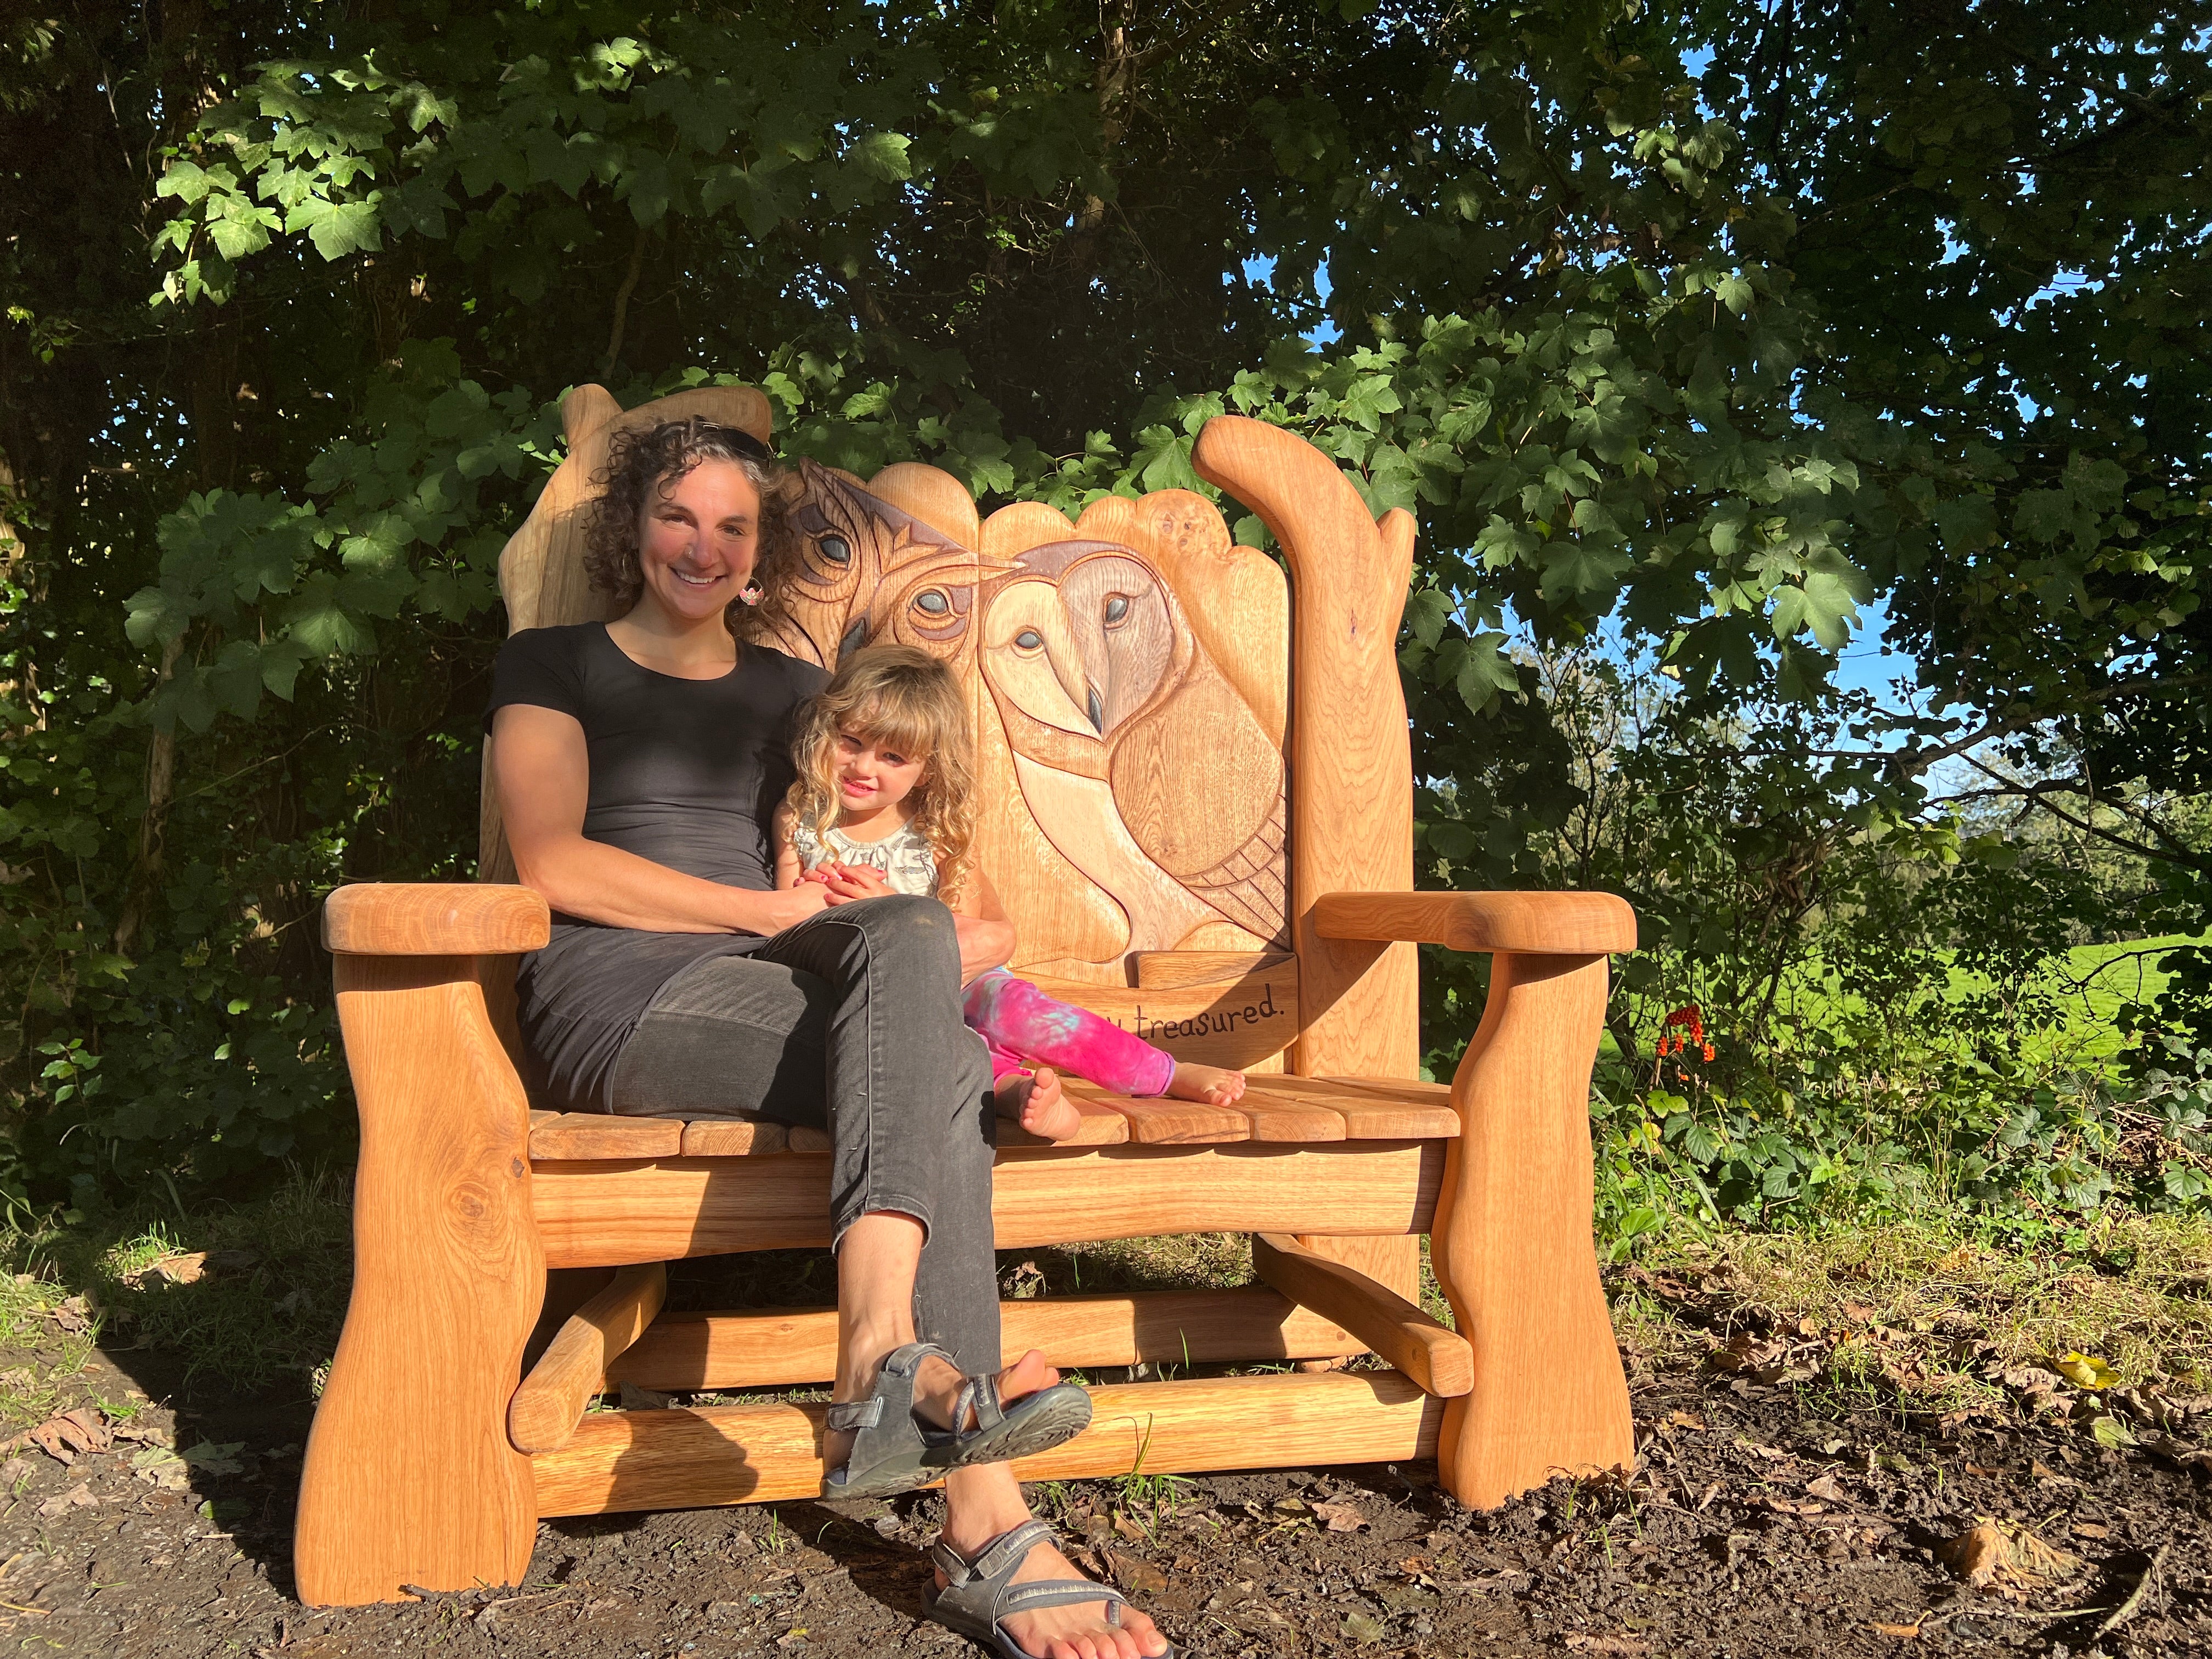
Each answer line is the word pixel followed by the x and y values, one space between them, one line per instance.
pixel 1059 1593
pixel 997 1560
pixel 978 1395
pixel 847 1415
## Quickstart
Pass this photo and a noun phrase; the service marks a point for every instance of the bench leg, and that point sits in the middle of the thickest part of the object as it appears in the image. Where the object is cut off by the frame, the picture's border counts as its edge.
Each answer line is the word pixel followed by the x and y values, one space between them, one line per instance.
pixel 409 1480
pixel 1512 1247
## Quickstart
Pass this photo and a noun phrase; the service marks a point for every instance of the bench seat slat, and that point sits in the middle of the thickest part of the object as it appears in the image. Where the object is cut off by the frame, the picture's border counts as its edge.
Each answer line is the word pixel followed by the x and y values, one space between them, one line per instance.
pixel 1276 1110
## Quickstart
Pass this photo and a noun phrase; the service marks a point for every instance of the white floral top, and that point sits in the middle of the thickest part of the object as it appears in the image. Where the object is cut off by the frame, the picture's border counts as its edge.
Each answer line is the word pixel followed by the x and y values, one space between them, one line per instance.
pixel 903 856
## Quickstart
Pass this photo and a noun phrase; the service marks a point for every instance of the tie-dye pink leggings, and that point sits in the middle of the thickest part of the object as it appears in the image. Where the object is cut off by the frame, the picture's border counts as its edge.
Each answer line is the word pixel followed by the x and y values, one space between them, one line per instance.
pixel 1025 1028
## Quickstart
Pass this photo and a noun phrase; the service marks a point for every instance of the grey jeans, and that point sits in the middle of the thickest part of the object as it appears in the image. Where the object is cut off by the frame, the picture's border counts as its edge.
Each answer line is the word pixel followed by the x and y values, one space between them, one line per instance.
pixel 850 1021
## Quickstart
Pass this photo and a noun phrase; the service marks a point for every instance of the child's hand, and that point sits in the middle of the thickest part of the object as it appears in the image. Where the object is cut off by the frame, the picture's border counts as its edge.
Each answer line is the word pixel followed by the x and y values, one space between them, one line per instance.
pixel 849 882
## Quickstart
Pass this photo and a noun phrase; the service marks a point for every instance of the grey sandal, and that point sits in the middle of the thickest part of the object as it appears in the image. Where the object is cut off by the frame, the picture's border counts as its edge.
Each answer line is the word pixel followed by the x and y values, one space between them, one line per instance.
pixel 895 1451
pixel 981 1593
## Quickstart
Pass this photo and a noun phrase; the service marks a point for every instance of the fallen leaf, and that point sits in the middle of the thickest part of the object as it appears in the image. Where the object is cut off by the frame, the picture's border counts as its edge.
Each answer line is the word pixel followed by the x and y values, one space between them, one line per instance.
pixel 635 1398
pixel 1903 1632
pixel 184 1269
pixel 1339 1517
pixel 210 1459
pixel 1826 1486
pixel 72 1315
pixel 1364 1628
pixel 1129 1529
pixel 2091 1529
pixel 1686 1420
pixel 2109 1432
pixel 1136 1575
pixel 163 1467
pixel 64 1437
pixel 1975 1556
pixel 78 1497
pixel 2086 1370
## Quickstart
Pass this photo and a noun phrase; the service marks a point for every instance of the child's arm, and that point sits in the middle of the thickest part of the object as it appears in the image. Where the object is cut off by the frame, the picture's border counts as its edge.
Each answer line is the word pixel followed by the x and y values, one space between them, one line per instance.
pixel 788 872
pixel 987 937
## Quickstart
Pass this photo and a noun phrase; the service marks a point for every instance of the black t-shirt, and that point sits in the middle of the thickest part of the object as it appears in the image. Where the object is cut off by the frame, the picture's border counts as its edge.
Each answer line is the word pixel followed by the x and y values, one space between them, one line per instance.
pixel 687 773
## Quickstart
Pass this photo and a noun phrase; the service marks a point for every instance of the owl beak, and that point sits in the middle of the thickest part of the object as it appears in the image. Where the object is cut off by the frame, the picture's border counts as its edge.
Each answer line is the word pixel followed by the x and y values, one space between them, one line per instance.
pixel 856 637
pixel 1096 709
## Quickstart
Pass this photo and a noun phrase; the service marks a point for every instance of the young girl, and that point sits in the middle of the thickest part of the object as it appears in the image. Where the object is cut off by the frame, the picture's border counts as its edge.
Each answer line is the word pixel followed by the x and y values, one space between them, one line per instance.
pixel 883 805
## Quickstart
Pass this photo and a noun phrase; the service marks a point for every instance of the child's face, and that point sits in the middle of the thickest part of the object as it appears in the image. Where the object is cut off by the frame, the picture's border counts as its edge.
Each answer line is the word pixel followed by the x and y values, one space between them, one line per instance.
pixel 871 776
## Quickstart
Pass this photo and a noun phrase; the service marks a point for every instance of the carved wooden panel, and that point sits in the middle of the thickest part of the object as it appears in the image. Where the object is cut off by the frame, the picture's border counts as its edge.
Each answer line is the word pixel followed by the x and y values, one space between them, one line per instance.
pixel 1128 678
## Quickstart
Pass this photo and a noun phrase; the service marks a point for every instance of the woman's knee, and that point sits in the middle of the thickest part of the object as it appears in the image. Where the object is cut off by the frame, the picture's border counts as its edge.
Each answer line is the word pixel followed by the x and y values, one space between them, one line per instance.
pixel 906 927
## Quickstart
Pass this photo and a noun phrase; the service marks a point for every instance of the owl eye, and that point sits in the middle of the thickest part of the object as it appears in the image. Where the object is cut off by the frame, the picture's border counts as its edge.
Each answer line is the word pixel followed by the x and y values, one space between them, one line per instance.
pixel 835 549
pixel 932 601
pixel 1117 608
pixel 1029 640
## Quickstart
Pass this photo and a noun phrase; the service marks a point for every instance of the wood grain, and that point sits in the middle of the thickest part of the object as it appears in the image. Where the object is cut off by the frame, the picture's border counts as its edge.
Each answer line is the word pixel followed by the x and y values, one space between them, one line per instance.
pixel 1392 1325
pixel 932 495
pixel 1281 1113
pixel 1561 924
pixel 433 919
pixel 597 1215
pixel 1351 800
pixel 544 1413
pixel 1175 970
pixel 782 1347
pixel 1376 1114
pixel 1512 1247
pixel 447 1275
pixel 1020 525
pixel 1239 1024
pixel 730 1137
pixel 570 1136
pixel 717 1455
pixel 1175 1122
pixel 806 1138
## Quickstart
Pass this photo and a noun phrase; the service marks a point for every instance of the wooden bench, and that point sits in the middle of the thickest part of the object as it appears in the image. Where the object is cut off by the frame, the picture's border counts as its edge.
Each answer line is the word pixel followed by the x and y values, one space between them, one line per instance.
pixel 1218 854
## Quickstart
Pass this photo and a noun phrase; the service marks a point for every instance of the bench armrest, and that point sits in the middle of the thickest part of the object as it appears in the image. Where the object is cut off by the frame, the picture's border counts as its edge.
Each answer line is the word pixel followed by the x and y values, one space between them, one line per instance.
pixel 434 918
pixel 1537 923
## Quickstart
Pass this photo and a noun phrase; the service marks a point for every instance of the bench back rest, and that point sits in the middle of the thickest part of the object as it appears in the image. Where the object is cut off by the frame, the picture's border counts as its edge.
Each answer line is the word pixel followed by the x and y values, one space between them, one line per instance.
pixel 1129 685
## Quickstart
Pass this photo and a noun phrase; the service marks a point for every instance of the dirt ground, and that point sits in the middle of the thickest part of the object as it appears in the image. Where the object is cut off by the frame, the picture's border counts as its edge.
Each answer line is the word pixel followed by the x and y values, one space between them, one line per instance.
pixel 1784 1503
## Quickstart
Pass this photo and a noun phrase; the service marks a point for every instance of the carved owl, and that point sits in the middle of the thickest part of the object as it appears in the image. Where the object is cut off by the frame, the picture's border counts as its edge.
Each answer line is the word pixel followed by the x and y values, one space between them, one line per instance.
pixel 1096 673
pixel 869 571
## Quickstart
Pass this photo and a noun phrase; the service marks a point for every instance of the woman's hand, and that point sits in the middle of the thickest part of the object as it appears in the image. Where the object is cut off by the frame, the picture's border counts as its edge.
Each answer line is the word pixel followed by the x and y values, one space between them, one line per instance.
pixel 847 883
pixel 771 913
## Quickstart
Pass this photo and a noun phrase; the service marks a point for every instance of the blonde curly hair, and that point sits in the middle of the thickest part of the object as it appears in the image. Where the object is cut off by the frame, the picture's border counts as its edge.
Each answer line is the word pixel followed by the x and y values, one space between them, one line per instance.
pixel 906 700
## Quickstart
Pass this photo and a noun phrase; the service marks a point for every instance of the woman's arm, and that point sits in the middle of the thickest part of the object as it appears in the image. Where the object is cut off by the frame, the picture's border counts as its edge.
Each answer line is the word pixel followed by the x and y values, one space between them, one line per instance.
pixel 541 771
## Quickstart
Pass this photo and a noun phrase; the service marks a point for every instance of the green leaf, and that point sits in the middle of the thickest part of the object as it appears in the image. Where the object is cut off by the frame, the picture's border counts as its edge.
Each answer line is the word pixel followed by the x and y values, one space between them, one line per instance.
pixel 338 229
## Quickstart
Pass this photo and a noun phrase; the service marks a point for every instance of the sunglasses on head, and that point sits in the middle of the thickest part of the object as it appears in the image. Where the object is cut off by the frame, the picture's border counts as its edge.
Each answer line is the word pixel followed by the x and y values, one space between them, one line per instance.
pixel 737 438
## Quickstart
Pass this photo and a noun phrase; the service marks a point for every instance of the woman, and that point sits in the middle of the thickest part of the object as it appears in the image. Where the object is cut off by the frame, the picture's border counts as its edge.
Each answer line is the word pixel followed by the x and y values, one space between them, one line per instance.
pixel 637 764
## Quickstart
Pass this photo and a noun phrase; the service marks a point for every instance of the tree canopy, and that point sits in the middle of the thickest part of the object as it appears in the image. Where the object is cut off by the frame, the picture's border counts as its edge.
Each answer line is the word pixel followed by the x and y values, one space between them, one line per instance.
pixel 1702 326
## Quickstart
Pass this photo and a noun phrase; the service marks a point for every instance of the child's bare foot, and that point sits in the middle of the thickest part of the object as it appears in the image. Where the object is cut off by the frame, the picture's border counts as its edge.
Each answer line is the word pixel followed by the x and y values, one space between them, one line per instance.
pixel 1209 1083
pixel 1038 1103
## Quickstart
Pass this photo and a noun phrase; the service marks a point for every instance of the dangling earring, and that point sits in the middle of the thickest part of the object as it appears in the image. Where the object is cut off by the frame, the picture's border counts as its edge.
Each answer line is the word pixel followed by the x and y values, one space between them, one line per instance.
pixel 752 594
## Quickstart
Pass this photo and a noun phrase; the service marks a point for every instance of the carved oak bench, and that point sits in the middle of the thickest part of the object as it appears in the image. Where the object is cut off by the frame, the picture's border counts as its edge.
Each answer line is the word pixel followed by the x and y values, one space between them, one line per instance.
pixel 1261 920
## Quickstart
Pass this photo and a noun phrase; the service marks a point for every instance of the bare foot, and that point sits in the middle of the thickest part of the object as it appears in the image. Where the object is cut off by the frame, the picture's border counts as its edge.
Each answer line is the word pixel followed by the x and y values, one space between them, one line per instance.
pixel 936 1386
pixel 1078 1631
pixel 1209 1083
pixel 1037 1102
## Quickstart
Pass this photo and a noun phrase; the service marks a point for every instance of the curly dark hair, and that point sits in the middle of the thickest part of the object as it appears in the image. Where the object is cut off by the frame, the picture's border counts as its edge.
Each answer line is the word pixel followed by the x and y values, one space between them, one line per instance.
pixel 648 458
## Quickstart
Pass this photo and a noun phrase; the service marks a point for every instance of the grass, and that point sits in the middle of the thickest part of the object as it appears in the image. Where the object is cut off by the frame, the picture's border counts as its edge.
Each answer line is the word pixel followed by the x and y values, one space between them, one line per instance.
pixel 1941 1303
pixel 269 1311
